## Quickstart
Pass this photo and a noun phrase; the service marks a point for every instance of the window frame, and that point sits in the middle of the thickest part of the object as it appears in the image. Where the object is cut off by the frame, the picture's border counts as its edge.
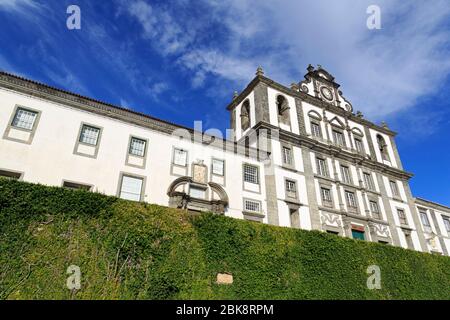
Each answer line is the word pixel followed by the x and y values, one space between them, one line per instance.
pixel 134 176
pixel 395 191
pixel 256 175
pixel 223 167
pixel 376 212
pixel 325 201
pixel 76 185
pixel 422 214
pixel 291 194
pixel 346 172
pixel 338 132
pixel 359 141
pixel 244 207
pixel 97 139
pixel 25 109
pixel 11 174
pixel 319 168
pixel 31 133
pixel 290 162
pixel 446 221
pixel 349 205
pixel 403 219
pixel 368 181
pixel 175 149
pixel 131 143
pixel 315 123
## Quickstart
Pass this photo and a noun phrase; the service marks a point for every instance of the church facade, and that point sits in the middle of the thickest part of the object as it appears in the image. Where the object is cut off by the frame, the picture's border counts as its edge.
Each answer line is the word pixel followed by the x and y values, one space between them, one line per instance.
pixel 297 156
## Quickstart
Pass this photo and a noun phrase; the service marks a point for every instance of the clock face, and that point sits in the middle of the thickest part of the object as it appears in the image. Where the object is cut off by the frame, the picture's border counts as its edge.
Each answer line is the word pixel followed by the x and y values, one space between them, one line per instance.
pixel 326 93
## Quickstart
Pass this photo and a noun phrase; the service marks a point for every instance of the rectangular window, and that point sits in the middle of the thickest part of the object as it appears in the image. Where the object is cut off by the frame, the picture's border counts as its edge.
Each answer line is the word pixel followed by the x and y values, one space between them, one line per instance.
pixel 315 130
pixel 338 138
pixel 251 174
pixel 351 200
pixel 10 175
pixel 291 189
pixel 375 209
pixel 424 219
pixel 137 147
pixel 252 206
pixel 287 156
pixel 218 167
pixel 394 188
pixel 322 167
pixel 24 119
pixel 446 223
pixel 356 234
pixel 345 171
pixel 359 145
pixel 131 188
pixel 180 157
pixel 402 217
pixel 89 135
pixel 198 193
pixel 326 194
pixel 368 181
pixel 76 186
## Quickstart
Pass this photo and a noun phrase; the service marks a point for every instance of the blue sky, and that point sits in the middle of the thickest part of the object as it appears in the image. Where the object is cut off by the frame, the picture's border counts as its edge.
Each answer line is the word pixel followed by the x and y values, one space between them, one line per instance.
pixel 182 60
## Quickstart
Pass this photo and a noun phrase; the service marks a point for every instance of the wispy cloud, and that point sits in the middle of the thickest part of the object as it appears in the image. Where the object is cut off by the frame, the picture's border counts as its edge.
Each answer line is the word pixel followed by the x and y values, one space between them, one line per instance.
pixel 381 71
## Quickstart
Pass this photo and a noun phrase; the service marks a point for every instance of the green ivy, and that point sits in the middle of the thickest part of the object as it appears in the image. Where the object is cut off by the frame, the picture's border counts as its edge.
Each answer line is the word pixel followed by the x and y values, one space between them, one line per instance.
pixel 129 250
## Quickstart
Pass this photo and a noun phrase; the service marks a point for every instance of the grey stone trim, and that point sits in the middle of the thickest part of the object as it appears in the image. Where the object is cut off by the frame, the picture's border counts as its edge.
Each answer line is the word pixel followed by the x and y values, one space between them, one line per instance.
pixel 317 146
pixel 173 165
pixel 96 146
pixel 66 98
pixel 417 223
pixel 388 210
pixel 300 117
pixel 287 197
pixel 259 178
pixel 144 158
pixel 396 154
pixel 311 190
pixel 261 103
pixel 271 190
pixel 439 235
pixel 132 175
pixel 224 176
pixel 90 186
pixel 306 98
pixel 32 132
pixel 434 205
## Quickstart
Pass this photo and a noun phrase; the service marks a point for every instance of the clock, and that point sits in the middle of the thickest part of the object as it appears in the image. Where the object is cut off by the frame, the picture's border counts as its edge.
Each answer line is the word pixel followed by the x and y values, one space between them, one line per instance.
pixel 326 93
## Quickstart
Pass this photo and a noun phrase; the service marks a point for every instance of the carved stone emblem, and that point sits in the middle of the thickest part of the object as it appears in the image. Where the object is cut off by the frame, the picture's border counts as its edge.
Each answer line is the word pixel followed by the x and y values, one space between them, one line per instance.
pixel 199 172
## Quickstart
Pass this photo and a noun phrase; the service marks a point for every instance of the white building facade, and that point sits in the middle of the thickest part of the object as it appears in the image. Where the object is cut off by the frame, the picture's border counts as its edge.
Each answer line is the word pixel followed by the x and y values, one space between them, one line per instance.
pixel 298 157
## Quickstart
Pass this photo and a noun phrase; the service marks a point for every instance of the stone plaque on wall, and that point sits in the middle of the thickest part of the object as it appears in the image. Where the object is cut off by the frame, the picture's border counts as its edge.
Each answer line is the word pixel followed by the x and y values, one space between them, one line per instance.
pixel 199 173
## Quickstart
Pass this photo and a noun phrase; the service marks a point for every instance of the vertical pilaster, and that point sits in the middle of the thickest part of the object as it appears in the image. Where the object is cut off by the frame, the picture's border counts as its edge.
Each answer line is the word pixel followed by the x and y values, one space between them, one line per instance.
pixel 415 216
pixel 311 190
pixel 388 209
pixel 438 230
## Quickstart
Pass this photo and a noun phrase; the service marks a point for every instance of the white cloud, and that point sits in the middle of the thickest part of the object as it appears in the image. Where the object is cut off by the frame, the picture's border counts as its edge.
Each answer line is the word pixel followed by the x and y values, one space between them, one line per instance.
pixel 381 71
pixel 19 6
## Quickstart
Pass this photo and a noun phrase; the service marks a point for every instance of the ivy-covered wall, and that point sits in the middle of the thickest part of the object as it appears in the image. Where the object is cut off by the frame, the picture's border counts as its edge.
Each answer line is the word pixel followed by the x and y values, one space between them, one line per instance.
pixel 128 250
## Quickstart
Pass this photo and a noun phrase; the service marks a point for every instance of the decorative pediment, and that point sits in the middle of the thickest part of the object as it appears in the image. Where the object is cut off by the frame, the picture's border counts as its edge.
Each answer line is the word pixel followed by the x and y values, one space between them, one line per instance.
pixel 321 84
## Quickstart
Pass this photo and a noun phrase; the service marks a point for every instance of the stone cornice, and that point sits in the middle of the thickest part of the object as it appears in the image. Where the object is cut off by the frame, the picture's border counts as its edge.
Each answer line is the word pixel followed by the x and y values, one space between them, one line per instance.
pixel 309 99
pixel 46 92
pixel 434 205
pixel 334 151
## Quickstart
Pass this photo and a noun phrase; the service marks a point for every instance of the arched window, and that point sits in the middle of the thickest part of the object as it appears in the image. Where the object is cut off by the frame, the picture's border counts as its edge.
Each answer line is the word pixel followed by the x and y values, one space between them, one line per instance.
pixel 283 110
pixel 245 115
pixel 382 146
pixel 314 121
